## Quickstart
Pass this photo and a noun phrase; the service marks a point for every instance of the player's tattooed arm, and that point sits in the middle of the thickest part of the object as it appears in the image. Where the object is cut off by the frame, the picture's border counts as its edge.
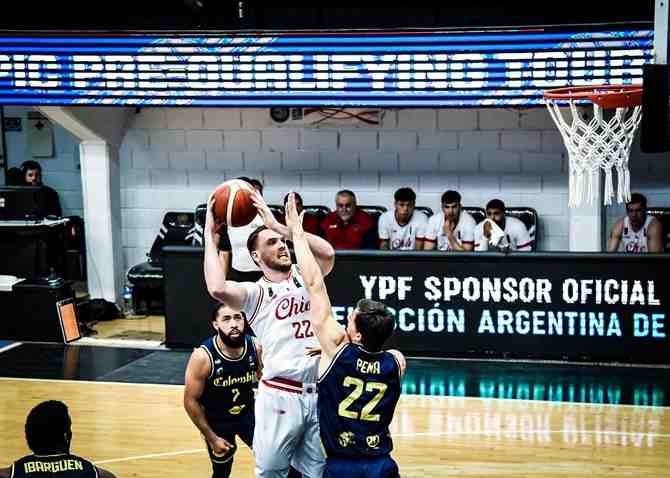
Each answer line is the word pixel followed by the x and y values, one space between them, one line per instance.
pixel 218 286
pixel 197 371
pixel 259 356
pixel 329 333
pixel 615 236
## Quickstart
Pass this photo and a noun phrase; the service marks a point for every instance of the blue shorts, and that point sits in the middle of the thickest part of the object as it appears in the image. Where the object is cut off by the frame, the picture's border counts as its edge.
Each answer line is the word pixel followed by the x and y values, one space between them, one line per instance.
pixel 361 467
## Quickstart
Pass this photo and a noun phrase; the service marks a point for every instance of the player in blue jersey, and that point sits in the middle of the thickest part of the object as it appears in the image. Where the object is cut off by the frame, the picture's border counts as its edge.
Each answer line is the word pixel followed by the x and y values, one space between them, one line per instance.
pixel 218 393
pixel 49 434
pixel 359 383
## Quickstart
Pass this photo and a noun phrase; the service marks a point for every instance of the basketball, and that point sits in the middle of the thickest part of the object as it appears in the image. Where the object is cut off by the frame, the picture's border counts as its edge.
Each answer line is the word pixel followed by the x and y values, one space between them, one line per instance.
pixel 233 205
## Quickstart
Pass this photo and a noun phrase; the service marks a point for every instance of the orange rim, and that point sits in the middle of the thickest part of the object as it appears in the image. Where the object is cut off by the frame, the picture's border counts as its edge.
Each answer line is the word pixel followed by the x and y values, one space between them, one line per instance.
pixel 605 96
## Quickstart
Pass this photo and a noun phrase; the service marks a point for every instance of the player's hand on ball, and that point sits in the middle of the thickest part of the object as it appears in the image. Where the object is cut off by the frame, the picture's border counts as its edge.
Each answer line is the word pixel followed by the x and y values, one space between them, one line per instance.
pixel 210 223
pixel 264 212
pixel 293 219
pixel 220 446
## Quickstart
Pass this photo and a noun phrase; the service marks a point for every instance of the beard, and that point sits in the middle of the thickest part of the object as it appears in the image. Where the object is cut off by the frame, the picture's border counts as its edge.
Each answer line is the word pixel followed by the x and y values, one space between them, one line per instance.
pixel 233 342
pixel 277 265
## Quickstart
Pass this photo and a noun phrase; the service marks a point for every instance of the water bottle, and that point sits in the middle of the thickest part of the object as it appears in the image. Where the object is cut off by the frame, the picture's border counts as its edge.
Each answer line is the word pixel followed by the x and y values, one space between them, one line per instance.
pixel 128 300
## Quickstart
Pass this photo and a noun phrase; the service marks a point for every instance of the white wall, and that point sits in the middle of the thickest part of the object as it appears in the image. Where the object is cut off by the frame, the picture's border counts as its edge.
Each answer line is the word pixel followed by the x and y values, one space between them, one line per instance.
pixel 62 172
pixel 172 158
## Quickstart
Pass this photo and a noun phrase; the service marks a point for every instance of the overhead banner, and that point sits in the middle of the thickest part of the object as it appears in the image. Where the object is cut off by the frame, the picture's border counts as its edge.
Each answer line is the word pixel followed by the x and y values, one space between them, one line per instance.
pixel 413 69
pixel 567 306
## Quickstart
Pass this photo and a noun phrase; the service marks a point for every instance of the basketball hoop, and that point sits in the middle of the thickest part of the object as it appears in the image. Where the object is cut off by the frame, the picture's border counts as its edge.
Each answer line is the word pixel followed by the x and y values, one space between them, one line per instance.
pixel 600 143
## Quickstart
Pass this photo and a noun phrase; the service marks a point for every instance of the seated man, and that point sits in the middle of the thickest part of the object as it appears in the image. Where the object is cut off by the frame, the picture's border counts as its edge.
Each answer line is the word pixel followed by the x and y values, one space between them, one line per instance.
pixel 346 227
pixel 453 230
pixel 403 228
pixel 32 175
pixel 49 435
pixel 637 232
pixel 513 234
pixel 310 223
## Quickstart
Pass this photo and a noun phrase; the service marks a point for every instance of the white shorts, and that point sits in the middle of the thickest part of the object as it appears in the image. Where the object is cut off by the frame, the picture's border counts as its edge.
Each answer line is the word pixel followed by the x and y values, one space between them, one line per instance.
pixel 287 432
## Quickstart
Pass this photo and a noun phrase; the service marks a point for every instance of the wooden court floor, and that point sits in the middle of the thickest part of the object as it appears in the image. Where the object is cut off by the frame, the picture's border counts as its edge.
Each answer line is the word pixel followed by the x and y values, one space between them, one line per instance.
pixel 142 430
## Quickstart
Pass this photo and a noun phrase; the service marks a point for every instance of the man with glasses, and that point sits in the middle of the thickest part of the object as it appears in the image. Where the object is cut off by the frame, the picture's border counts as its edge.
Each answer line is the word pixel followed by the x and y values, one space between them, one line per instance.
pixel 453 230
pixel 346 228
pixel 637 232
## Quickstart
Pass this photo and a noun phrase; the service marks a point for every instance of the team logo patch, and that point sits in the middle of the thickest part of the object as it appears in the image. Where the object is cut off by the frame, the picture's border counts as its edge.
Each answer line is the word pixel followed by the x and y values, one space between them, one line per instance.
pixel 346 439
pixel 237 409
pixel 372 441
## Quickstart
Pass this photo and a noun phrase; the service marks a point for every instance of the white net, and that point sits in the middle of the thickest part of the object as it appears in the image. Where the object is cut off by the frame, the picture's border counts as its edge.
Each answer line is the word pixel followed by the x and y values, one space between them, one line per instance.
pixel 595 145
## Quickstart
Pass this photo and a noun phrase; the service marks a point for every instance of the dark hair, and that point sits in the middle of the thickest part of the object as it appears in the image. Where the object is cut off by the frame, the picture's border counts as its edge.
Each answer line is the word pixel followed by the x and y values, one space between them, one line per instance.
pixel 15 177
pixel 257 184
pixel 29 165
pixel 298 197
pixel 244 178
pixel 346 192
pixel 405 195
pixel 217 309
pixel 495 204
pixel 375 324
pixel 451 197
pixel 48 428
pixel 637 197
pixel 252 240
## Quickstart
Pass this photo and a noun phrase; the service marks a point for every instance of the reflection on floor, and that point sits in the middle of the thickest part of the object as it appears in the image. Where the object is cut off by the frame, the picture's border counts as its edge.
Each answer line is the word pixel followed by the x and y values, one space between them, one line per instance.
pixel 454 378
pixel 151 327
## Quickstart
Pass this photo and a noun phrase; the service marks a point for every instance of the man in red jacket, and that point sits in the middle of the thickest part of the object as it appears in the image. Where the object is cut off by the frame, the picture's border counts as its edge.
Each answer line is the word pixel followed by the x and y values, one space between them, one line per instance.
pixel 310 223
pixel 347 226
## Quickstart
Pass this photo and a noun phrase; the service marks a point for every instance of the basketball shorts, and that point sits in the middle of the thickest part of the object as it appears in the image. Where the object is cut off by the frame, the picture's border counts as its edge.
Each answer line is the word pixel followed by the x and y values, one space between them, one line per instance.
pixel 244 428
pixel 287 433
pixel 377 467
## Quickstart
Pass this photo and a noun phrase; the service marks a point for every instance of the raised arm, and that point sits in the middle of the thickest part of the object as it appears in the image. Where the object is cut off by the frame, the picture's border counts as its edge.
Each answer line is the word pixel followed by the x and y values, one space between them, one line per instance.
pixel 324 254
pixel 218 287
pixel 615 236
pixel 329 333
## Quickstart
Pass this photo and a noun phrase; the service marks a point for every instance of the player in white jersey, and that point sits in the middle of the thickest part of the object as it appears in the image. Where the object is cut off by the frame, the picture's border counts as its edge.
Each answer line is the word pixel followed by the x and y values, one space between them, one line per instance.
pixel 276 307
pixel 516 237
pixel 637 232
pixel 403 228
pixel 453 230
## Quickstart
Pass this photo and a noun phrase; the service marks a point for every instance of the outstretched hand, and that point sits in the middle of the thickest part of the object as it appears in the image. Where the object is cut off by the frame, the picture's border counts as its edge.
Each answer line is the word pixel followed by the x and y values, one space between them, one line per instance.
pixel 293 218
pixel 264 211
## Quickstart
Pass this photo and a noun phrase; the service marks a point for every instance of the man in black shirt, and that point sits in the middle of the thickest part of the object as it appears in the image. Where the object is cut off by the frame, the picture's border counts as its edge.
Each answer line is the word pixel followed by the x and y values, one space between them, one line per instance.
pixel 32 175
pixel 49 434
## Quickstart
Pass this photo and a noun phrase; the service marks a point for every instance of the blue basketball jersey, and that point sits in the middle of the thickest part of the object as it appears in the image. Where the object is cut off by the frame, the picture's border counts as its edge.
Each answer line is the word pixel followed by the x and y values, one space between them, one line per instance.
pixel 64 465
pixel 357 398
pixel 228 392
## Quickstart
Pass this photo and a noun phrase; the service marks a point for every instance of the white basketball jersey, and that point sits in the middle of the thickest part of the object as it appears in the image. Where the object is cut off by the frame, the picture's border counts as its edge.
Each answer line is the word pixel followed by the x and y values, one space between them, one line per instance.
pixel 238 236
pixel 402 237
pixel 516 237
pixel 278 315
pixel 464 230
pixel 632 241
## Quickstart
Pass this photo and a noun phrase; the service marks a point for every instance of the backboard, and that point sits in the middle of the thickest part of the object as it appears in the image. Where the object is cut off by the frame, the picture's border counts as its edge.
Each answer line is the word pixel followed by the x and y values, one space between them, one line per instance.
pixel 655 127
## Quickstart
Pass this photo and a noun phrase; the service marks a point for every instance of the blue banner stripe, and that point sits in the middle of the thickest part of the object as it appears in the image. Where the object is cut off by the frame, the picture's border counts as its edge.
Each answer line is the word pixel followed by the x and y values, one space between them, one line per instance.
pixel 447 68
